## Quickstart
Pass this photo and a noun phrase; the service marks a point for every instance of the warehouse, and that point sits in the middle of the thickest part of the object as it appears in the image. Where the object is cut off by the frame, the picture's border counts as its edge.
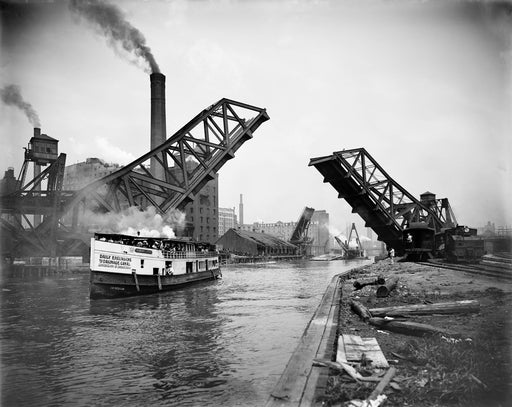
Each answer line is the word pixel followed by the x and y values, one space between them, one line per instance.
pixel 254 244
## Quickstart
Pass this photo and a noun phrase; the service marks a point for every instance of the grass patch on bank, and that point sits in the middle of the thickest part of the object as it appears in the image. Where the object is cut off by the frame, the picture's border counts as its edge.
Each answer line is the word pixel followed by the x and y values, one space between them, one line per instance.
pixel 439 371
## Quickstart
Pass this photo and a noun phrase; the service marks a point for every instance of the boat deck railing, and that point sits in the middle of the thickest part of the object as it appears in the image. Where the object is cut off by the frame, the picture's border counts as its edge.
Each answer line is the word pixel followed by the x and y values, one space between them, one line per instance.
pixel 189 255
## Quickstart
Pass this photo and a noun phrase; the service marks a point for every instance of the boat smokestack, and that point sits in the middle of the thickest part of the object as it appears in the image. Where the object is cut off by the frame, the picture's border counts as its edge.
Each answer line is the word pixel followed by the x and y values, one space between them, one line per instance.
pixel 158 121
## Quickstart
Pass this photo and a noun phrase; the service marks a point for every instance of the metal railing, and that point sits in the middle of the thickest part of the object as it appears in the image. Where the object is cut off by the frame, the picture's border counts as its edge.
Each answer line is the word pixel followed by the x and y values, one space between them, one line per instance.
pixel 189 255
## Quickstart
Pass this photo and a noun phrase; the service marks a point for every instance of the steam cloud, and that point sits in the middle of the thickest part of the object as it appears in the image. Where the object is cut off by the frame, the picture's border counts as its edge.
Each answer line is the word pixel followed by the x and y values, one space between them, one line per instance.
pixel 11 95
pixel 111 22
pixel 130 221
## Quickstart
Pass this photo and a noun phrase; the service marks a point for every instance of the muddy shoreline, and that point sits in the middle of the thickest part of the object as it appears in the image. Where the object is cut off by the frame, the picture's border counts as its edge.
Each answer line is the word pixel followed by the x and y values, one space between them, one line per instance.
pixel 473 370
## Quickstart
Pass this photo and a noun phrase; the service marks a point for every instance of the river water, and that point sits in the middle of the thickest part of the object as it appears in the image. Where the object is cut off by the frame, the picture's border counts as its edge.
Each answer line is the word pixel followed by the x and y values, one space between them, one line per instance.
pixel 219 343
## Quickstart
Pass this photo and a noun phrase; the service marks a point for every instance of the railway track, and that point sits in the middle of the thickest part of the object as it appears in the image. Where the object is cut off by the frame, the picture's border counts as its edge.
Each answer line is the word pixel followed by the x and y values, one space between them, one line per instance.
pixel 491 268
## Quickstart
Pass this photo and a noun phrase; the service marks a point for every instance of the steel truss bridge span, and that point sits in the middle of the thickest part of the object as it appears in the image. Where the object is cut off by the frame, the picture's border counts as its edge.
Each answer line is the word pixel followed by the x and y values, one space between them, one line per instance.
pixel 189 159
pixel 384 205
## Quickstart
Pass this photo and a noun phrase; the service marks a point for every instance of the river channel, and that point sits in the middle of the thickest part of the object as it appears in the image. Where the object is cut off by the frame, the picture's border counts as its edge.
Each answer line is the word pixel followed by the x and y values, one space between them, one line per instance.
pixel 220 343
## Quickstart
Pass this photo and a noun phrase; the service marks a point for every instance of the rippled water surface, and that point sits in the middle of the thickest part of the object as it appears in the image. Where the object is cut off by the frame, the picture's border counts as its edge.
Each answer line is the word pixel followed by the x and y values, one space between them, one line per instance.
pixel 221 343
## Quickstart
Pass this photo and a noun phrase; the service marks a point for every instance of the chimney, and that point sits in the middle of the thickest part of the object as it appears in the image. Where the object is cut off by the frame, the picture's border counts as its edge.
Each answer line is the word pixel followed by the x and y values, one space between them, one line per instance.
pixel 37 170
pixel 241 211
pixel 158 127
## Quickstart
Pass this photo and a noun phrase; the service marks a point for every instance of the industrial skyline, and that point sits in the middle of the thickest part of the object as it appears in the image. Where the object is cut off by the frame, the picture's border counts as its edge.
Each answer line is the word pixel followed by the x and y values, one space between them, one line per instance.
pixel 425 88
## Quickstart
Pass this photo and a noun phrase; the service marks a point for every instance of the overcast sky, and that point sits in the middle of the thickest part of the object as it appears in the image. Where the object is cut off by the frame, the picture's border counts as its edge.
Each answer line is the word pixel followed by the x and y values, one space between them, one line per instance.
pixel 425 87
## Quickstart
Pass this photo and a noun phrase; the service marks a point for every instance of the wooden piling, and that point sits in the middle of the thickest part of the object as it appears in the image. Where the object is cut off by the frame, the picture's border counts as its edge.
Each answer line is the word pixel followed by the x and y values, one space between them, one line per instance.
pixel 136 280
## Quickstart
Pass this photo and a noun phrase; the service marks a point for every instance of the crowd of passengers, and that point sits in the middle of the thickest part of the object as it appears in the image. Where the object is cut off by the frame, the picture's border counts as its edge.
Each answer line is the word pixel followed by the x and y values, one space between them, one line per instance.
pixel 156 244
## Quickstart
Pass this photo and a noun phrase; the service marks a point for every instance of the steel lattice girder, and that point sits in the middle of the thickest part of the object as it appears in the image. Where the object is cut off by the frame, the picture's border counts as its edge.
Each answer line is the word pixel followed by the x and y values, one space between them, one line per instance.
pixel 300 232
pixel 197 151
pixel 384 204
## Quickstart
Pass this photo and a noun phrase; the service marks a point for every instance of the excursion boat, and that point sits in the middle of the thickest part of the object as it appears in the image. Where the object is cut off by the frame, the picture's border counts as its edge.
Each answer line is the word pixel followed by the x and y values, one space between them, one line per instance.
pixel 123 266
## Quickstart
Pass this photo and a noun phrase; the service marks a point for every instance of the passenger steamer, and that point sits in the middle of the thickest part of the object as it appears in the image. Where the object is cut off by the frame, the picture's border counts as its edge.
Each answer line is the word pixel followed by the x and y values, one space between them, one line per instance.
pixel 124 265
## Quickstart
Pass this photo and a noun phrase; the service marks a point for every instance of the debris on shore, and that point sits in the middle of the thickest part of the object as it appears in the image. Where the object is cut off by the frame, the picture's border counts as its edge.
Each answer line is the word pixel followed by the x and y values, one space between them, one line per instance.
pixel 445 333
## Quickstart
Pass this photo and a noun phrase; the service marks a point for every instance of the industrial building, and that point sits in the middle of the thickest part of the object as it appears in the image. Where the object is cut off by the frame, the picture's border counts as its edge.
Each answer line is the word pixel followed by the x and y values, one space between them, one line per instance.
pixel 201 215
pixel 227 220
pixel 77 176
pixel 246 243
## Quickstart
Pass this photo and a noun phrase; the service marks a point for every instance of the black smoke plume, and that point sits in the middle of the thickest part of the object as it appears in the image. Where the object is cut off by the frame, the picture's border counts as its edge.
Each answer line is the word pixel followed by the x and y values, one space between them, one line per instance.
pixel 11 95
pixel 110 21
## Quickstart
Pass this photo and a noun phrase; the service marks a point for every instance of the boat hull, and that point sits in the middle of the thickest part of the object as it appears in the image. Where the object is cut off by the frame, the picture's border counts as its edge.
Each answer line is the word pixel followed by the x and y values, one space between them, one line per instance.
pixel 116 285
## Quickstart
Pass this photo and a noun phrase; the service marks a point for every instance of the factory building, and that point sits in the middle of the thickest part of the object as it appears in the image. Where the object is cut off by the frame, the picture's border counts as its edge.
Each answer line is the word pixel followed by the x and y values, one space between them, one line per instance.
pixel 202 214
pixel 227 220
pixel 77 176
pixel 8 183
pixel 282 230
pixel 246 243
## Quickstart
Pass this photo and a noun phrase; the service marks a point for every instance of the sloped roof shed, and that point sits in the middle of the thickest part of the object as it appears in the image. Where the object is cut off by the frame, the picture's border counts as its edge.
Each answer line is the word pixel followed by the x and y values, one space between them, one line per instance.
pixel 254 243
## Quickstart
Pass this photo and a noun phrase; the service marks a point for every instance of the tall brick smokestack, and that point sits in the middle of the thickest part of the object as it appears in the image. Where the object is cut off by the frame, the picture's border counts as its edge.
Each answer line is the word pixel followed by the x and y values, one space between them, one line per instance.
pixel 37 170
pixel 158 126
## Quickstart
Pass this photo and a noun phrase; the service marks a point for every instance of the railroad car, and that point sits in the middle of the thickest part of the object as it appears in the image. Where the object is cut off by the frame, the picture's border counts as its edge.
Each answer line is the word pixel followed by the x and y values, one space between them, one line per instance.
pixel 419 241
pixel 462 245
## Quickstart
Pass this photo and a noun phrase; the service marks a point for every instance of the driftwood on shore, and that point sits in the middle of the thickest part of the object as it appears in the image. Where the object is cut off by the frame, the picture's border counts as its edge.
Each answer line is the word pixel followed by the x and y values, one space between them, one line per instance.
pixel 360 284
pixel 360 310
pixel 384 290
pixel 344 366
pixel 382 384
pixel 409 328
pixel 454 307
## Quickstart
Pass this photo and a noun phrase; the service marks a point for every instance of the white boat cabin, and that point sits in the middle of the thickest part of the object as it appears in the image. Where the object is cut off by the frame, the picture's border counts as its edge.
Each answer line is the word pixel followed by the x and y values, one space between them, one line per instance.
pixel 124 254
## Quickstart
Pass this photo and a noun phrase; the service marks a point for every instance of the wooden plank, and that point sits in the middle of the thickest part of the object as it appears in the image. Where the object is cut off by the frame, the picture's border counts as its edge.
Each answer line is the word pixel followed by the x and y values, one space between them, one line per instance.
pixel 317 381
pixel 290 387
pixel 351 349
pixel 374 352
pixel 382 384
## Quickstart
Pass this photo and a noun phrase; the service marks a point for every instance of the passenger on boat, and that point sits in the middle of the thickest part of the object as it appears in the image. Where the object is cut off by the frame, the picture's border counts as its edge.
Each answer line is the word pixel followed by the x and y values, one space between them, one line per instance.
pixel 169 269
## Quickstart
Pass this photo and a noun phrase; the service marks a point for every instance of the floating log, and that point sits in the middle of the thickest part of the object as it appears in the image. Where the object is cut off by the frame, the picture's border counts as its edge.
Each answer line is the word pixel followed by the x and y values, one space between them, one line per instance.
pixel 360 310
pixel 360 284
pixel 453 307
pixel 384 290
pixel 409 328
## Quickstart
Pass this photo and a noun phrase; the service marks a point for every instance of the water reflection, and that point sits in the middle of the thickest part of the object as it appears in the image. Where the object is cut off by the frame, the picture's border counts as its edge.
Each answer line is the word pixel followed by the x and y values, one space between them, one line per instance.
pixel 219 343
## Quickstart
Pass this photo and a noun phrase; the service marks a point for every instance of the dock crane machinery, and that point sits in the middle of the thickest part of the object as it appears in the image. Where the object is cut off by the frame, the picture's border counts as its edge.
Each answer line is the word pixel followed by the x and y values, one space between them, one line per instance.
pixel 348 251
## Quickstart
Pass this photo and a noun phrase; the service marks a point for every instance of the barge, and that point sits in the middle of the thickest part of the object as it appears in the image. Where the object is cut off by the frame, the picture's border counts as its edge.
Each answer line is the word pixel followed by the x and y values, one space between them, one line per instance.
pixel 123 265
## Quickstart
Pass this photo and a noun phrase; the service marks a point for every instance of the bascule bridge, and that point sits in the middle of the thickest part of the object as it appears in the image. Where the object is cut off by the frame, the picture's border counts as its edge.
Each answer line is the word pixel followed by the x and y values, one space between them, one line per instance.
pixel 167 177
pixel 385 206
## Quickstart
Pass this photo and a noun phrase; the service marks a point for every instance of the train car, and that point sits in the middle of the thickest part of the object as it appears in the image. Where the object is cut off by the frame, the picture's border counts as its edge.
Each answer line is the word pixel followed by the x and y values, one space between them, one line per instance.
pixel 419 241
pixel 462 245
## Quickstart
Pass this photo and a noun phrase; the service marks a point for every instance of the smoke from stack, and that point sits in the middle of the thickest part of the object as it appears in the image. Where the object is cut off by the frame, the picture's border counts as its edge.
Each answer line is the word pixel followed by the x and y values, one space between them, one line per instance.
pixel 11 95
pixel 110 21
pixel 132 220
